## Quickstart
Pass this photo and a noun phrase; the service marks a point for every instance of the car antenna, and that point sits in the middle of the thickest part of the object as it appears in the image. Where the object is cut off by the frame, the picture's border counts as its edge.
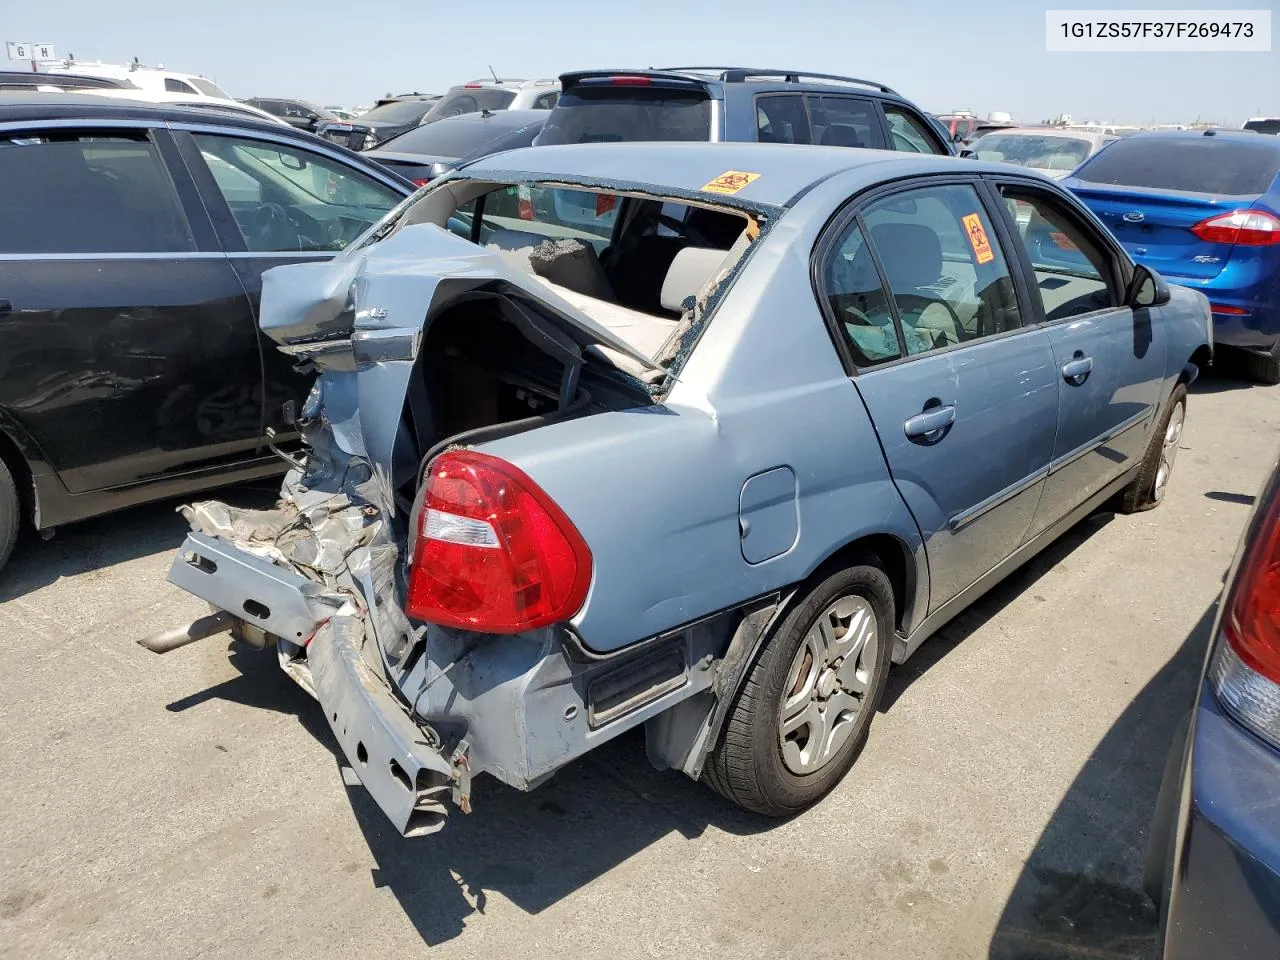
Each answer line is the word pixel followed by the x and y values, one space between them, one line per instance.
pixel 494 74
pixel 486 113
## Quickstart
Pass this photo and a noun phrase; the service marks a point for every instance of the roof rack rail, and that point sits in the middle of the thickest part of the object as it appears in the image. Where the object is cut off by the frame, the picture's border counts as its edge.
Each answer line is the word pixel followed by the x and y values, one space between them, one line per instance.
pixel 739 74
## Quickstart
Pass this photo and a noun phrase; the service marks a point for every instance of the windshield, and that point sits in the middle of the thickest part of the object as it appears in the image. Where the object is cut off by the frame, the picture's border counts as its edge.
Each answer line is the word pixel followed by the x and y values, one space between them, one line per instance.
pixel 398 111
pixel 1271 126
pixel 1029 150
pixel 1191 164
pixel 615 114
pixel 449 138
pixel 462 100
pixel 208 88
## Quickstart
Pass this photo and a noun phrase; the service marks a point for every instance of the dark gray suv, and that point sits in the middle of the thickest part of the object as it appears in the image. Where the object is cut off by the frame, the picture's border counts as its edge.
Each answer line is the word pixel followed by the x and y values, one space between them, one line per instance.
pixel 738 104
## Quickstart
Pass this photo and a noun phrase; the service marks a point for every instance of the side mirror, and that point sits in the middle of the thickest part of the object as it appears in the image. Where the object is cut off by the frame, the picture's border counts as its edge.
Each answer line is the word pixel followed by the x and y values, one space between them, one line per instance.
pixel 1146 289
pixel 440 168
pixel 969 154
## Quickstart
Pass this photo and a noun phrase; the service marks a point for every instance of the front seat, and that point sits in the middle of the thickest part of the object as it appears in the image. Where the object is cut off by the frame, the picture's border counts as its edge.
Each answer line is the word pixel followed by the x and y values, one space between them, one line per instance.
pixel 912 258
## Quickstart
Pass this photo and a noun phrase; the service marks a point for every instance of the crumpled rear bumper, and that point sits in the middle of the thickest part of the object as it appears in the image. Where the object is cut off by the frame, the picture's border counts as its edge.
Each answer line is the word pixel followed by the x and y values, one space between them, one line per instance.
pixel 394 758
pixel 403 772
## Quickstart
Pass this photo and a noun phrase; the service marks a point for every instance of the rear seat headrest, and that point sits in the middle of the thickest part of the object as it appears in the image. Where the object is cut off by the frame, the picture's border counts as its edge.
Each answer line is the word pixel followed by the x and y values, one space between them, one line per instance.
pixel 689 272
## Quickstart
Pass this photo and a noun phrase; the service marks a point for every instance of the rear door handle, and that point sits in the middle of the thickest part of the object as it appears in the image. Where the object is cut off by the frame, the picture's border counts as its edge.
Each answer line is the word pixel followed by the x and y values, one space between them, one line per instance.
pixel 930 424
pixel 1075 371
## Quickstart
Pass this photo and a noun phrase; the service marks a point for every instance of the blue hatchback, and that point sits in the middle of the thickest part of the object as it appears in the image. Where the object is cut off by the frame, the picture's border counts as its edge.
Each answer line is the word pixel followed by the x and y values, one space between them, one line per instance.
pixel 1202 208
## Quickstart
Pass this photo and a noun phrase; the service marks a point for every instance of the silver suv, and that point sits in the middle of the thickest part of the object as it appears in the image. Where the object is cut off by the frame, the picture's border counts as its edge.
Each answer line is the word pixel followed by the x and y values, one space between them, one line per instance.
pixel 496 94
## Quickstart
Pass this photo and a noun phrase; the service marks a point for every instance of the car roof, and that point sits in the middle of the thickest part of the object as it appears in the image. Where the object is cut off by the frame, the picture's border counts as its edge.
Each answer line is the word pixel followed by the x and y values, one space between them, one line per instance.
pixel 782 171
pixel 17 106
pixel 788 79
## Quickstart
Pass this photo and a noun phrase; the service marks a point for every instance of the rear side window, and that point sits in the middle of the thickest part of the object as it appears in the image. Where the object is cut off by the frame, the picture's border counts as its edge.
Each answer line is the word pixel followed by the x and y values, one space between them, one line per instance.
pixel 1270 126
pixel 86 193
pixel 617 114
pixel 470 100
pixel 859 302
pixel 1192 164
pixel 844 122
pixel 782 119
pixel 177 86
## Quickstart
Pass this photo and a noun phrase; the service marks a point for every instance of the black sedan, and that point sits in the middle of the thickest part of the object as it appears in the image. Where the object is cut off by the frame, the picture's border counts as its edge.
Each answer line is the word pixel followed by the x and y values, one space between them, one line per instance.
pixel 388 119
pixel 134 241
pixel 431 150
pixel 296 113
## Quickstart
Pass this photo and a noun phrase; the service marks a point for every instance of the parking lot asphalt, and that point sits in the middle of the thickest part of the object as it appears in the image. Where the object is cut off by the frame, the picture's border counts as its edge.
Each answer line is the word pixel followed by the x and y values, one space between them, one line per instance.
pixel 192 805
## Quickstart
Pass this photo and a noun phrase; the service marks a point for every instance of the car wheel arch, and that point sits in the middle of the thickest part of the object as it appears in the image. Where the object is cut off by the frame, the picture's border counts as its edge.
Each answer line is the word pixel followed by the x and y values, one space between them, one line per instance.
pixel 894 556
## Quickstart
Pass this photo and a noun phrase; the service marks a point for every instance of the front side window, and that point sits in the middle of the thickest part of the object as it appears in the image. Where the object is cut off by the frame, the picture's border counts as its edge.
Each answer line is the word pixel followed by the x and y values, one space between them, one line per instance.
pixel 68 192
pixel 859 302
pixel 945 269
pixel 907 133
pixel 843 121
pixel 209 88
pixel 782 118
pixel 285 199
pixel 1070 266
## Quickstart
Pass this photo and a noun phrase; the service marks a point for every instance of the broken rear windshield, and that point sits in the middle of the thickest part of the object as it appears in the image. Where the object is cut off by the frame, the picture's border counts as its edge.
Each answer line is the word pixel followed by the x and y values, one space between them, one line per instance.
pixel 616 114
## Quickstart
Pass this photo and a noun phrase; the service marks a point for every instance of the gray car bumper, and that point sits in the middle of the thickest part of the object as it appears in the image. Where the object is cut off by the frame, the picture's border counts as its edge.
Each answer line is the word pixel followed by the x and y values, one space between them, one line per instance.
pixel 403 771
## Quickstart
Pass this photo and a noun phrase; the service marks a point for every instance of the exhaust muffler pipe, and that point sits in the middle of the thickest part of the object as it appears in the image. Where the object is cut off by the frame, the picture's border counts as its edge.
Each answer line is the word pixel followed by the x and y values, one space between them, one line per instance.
pixel 176 637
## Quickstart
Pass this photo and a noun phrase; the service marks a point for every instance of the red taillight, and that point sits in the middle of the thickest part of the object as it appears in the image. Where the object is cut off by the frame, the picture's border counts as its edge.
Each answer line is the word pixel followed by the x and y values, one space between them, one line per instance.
pixel 1252 623
pixel 629 81
pixel 494 553
pixel 524 203
pixel 473 86
pixel 421 181
pixel 1230 311
pixel 604 203
pixel 1246 228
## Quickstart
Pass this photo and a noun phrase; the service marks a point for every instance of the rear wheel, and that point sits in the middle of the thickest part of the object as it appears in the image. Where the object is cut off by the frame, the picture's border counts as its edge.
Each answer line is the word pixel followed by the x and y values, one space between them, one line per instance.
pixel 10 513
pixel 1152 482
pixel 803 713
pixel 1263 367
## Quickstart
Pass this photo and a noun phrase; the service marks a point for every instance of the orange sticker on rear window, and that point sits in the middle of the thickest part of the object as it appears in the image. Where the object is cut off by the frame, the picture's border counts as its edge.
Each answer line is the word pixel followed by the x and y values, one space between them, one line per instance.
pixel 731 181
pixel 978 238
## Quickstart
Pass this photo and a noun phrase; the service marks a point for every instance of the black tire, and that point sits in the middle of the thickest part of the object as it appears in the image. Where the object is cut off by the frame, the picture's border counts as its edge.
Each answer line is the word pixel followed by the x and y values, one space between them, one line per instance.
pixel 1140 494
pixel 747 764
pixel 1263 367
pixel 10 513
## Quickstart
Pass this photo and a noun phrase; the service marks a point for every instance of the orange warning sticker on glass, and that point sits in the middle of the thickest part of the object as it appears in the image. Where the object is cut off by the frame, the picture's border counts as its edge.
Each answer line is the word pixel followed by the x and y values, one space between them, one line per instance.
pixel 731 181
pixel 1062 241
pixel 978 238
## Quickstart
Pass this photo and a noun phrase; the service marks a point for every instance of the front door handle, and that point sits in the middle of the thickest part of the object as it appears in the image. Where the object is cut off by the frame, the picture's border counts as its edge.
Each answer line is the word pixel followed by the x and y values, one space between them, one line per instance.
pixel 1076 370
pixel 930 424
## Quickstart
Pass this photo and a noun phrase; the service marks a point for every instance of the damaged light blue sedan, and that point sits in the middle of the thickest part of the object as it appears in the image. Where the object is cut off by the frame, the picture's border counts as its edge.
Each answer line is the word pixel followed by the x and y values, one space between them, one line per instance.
pixel 702 437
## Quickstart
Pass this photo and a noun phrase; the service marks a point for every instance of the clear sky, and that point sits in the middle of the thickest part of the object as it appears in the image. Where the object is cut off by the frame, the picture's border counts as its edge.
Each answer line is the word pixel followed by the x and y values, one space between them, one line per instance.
pixel 981 55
